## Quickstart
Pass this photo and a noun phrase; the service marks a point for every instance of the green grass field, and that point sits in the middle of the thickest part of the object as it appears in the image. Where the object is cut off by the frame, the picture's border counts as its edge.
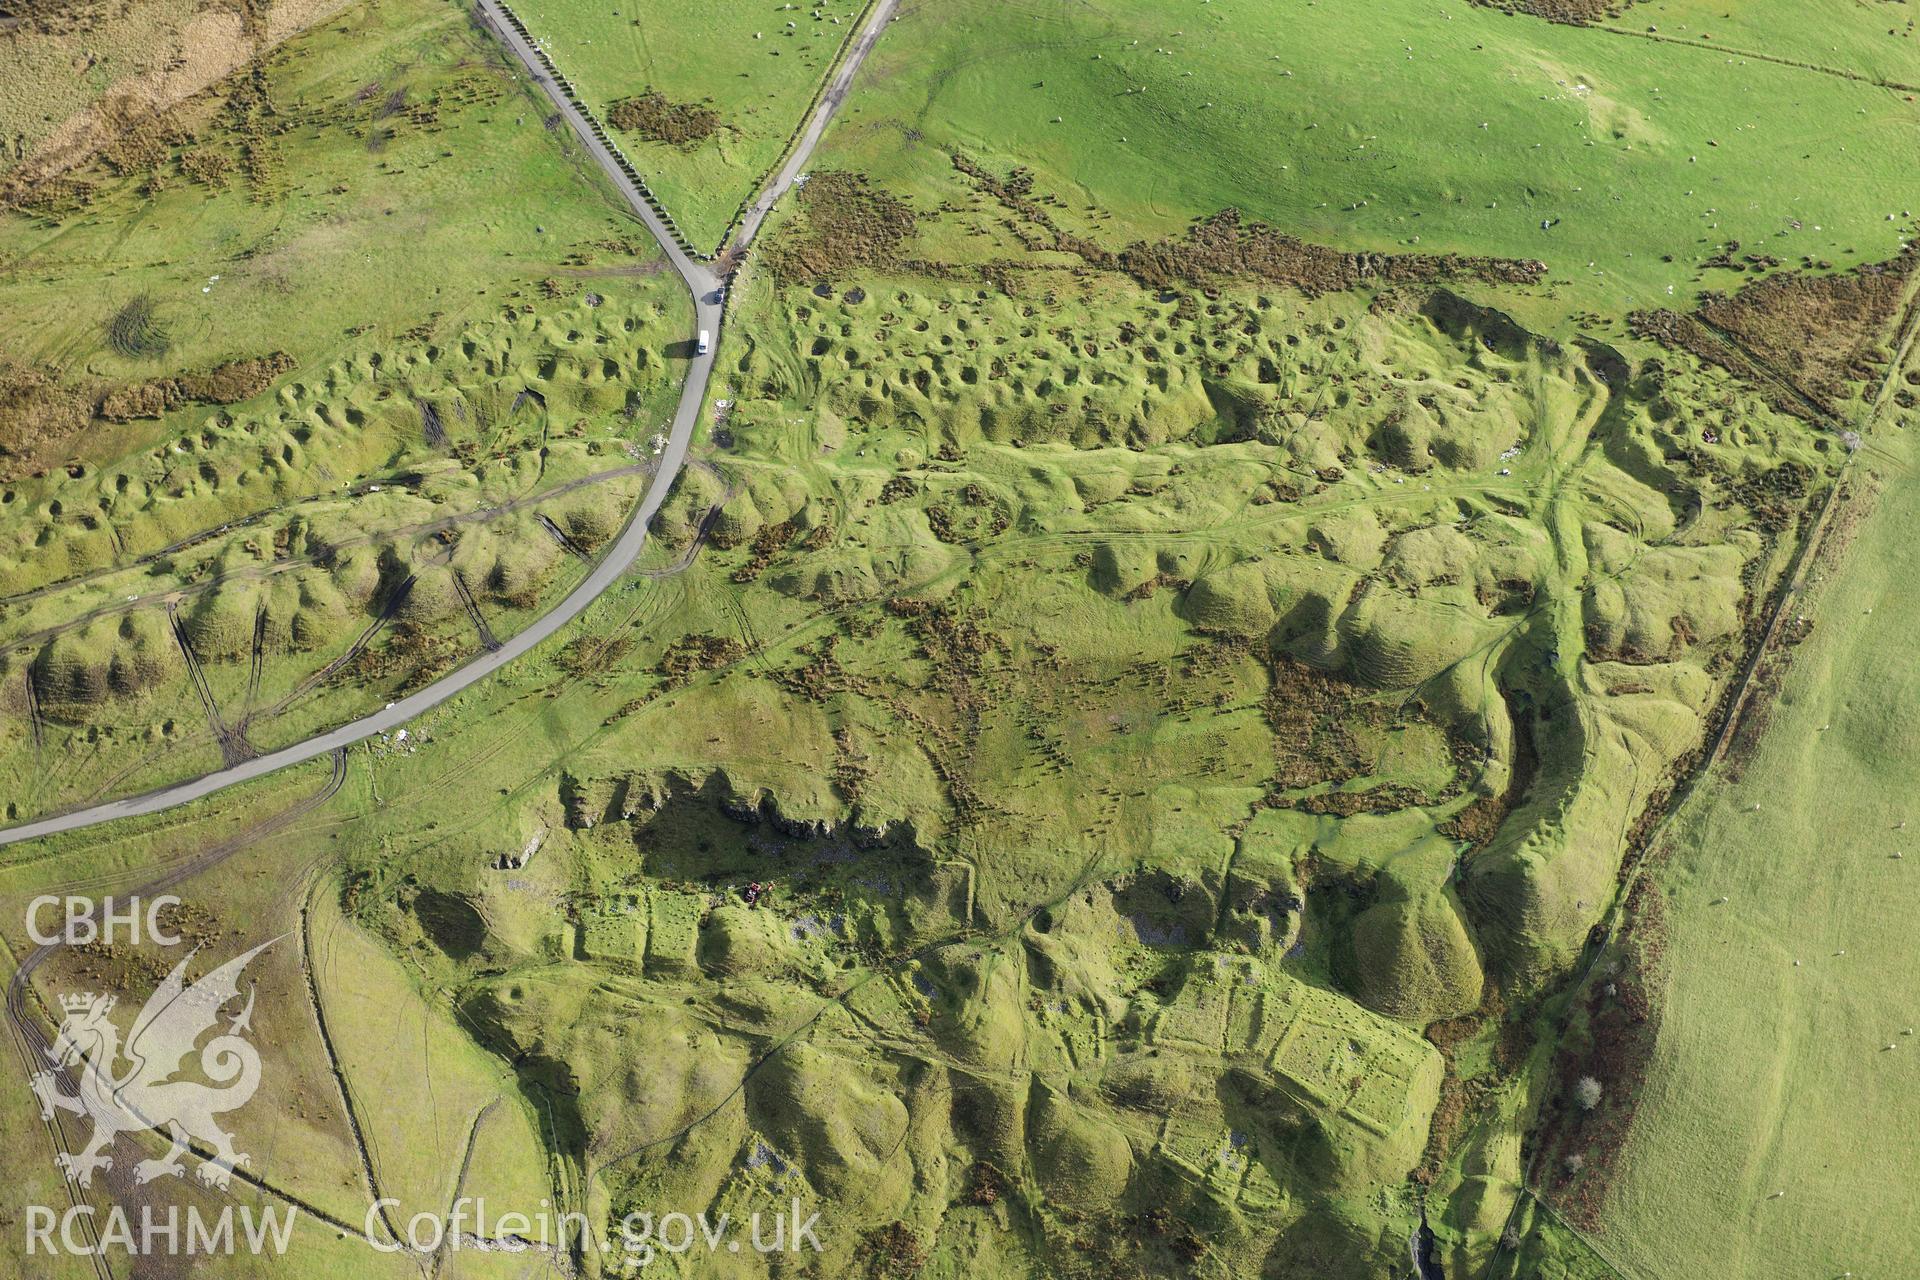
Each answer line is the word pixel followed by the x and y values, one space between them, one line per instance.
pixel 754 63
pixel 1877 42
pixel 1771 1135
pixel 1362 127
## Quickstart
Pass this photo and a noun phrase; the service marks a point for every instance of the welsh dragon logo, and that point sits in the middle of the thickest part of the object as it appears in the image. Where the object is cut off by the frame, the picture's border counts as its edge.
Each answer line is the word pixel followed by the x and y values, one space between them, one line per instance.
pixel 130 1088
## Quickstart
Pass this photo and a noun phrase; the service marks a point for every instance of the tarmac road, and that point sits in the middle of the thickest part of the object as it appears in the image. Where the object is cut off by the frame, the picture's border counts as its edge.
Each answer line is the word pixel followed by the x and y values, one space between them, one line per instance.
pixel 707 293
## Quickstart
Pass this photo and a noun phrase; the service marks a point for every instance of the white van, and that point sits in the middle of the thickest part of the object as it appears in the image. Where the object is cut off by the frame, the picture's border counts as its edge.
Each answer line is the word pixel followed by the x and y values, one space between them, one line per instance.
pixel 706 342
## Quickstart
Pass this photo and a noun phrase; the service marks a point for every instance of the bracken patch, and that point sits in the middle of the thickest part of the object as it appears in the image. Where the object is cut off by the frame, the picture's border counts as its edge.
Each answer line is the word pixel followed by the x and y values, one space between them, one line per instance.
pixel 848 224
pixel 35 411
pixel 1818 330
pixel 1576 13
pixel 1227 247
pixel 651 115
pixel 1815 333
pixel 229 383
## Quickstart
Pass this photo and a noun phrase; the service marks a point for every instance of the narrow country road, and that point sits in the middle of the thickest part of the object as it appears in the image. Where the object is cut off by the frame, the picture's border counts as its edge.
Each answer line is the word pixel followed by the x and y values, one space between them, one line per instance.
pixel 703 285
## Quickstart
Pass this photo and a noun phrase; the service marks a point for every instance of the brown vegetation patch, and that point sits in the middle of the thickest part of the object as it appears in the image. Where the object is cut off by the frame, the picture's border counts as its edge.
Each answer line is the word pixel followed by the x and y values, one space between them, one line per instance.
pixel 591 655
pixel 1390 798
pixel 1313 741
pixel 107 966
pixel 36 411
pixel 818 678
pixel 956 643
pixel 894 1251
pixel 652 116
pixel 1225 246
pixel 1575 13
pixel 1316 719
pixel 412 658
pixel 690 655
pixel 1754 713
pixel 209 166
pixel 1463 1098
pixel 954 640
pixel 767 543
pixel 1147 589
pixel 1776 496
pixel 1687 333
pixel 1480 821
pixel 974 517
pixel 1817 330
pixel 1037 229
pixel 847 225
pixel 49 17
pixel 1814 334
pixel 229 383
pixel 1579 1143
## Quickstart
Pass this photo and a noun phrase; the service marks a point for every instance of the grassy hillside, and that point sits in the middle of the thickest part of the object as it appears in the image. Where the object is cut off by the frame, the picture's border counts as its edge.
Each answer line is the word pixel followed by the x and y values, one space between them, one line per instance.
pixel 80 75
pixel 1449 128
pixel 382 175
pixel 1878 42
pixel 1772 1129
